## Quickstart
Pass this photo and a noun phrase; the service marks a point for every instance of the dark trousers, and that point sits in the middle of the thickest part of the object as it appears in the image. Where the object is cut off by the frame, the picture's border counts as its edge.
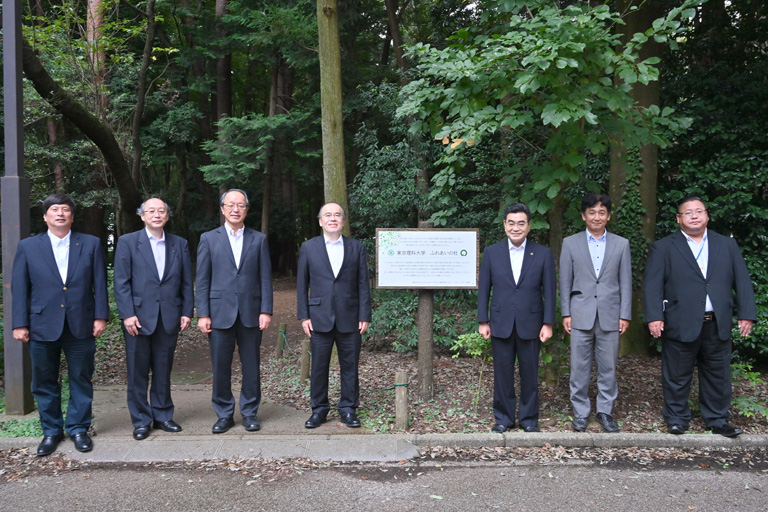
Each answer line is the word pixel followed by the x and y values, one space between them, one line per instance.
pixel 248 341
pixel 713 358
pixel 505 350
pixel 348 347
pixel 145 353
pixel 46 364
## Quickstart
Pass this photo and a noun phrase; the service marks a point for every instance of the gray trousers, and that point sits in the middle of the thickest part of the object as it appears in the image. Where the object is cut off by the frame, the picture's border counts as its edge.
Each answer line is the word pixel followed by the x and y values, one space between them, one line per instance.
pixel 604 347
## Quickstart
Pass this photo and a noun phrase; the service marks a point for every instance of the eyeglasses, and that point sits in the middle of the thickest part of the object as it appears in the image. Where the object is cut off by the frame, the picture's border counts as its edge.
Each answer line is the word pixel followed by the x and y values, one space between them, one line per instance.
pixel 333 215
pixel 235 206
pixel 520 223
pixel 690 213
pixel 152 211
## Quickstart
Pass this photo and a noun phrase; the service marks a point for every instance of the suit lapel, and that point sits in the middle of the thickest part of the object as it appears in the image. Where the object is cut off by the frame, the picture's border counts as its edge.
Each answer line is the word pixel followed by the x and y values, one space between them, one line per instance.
pixel 713 247
pixel 681 244
pixel 583 248
pixel 170 256
pixel 75 247
pixel 145 249
pixel 528 256
pixel 610 249
pixel 247 242
pixel 47 251
pixel 226 246
pixel 323 255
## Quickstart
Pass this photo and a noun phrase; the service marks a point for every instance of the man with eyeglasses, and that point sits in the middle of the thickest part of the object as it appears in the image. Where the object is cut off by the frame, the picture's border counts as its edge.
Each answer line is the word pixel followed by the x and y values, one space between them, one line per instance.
pixel 688 300
pixel 234 304
pixel 334 306
pixel 60 304
pixel 153 291
pixel 596 304
pixel 521 275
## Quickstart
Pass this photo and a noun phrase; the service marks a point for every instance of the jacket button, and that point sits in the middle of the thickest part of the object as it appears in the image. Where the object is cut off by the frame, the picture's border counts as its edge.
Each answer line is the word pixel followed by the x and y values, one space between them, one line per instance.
pixel 62 305
pixel 64 288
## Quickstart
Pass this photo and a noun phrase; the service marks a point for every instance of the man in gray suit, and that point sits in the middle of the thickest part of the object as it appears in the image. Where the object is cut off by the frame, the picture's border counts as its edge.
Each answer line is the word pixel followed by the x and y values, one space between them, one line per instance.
pixel 153 291
pixel 596 304
pixel 234 304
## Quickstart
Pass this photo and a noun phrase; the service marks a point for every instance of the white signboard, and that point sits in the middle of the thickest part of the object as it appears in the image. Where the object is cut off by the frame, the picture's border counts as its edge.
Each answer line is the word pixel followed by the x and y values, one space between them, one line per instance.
pixel 427 258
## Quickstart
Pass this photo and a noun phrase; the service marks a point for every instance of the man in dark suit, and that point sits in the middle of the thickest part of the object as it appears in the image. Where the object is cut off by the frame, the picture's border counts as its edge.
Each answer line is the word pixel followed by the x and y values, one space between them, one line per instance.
pixel 60 303
pixel 234 304
pixel 334 305
pixel 596 304
pixel 688 300
pixel 153 291
pixel 521 275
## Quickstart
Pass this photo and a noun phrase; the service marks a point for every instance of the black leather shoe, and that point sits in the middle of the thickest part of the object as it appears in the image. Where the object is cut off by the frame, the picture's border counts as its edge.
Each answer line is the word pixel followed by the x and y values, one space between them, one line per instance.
pixel 82 442
pixel 168 426
pixel 499 429
pixel 677 429
pixel 315 420
pixel 223 425
pixel 141 432
pixel 726 430
pixel 531 428
pixel 580 424
pixel 606 421
pixel 48 445
pixel 350 419
pixel 251 424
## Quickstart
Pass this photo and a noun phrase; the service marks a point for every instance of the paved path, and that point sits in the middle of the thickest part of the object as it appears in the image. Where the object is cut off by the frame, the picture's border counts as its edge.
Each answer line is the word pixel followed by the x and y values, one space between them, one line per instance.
pixel 283 435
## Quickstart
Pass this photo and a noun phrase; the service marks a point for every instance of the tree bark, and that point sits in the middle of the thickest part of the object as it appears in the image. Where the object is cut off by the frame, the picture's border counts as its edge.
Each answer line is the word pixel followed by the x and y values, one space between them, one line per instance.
pixel 141 93
pixel 98 132
pixel 334 172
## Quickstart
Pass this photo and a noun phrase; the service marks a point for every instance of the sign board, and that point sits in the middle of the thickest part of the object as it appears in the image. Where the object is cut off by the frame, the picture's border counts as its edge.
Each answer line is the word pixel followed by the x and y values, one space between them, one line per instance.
pixel 427 258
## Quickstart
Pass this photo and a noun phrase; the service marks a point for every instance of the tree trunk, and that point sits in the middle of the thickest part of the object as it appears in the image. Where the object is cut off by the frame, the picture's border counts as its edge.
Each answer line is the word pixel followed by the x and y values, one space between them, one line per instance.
pixel 552 347
pixel 141 92
pixel 58 174
pixel 98 132
pixel 334 172
pixel 636 339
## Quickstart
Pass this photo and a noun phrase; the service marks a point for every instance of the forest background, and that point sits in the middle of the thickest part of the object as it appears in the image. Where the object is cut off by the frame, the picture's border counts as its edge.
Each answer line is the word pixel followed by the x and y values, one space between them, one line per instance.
pixel 451 110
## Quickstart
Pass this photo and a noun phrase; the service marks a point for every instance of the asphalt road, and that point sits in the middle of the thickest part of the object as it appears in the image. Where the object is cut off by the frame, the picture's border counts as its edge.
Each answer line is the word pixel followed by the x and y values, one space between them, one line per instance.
pixel 392 487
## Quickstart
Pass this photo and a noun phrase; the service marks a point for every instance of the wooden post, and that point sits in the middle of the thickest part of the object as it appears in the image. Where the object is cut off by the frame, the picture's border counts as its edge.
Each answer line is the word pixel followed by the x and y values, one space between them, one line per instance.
pixel 401 400
pixel 305 360
pixel 280 345
pixel 425 322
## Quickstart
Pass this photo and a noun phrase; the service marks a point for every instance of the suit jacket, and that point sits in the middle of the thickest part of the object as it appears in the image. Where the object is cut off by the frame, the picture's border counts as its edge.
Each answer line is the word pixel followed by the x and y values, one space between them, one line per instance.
pixel 41 301
pixel 675 290
pixel 343 301
pixel 223 289
pixel 584 295
pixel 527 304
pixel 139 290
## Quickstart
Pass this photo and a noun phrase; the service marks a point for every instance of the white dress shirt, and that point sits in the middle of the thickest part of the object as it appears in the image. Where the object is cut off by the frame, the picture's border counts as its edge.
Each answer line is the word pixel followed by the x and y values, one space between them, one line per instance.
pixel 701 253
pixel 158 251
pixel 516 255
pixel 60 248
pixel 236 242
pixel 335 249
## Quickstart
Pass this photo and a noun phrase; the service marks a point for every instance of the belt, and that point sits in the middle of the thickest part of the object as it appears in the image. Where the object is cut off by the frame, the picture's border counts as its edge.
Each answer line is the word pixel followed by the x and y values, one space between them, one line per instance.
pixel 709 316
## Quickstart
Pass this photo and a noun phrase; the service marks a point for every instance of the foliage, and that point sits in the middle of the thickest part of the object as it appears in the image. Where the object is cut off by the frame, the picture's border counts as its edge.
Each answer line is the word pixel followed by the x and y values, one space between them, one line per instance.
pixel 395 312
pixel 547 77
pixel 747 405
pixel 474 345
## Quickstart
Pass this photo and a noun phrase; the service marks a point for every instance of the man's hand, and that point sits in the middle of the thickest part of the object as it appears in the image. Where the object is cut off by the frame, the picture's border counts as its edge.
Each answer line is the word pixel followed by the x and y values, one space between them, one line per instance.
pixel 185 321
pixel 745 328
pixel 99 326
pixel 656 327
pixel 21 334
pixel 567 324
pixel 363 326
pixel 264 320
pixel 485 330
pixel 132 325
pixel 623 326
pixel 204 324
pixel 545 333
pixel 306 324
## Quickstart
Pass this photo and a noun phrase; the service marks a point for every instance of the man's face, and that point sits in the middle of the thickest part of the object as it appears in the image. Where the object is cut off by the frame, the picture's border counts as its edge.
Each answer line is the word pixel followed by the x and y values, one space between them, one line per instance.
pixel 692 217
pixel 332 219
pixel 596 217
pixel 517 227
pixel 155 214
pixel 234 209
pixel 59 216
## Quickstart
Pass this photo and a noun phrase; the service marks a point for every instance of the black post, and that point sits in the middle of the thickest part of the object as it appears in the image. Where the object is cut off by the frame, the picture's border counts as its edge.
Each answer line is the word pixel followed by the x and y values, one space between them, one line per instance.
pixel 15 209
